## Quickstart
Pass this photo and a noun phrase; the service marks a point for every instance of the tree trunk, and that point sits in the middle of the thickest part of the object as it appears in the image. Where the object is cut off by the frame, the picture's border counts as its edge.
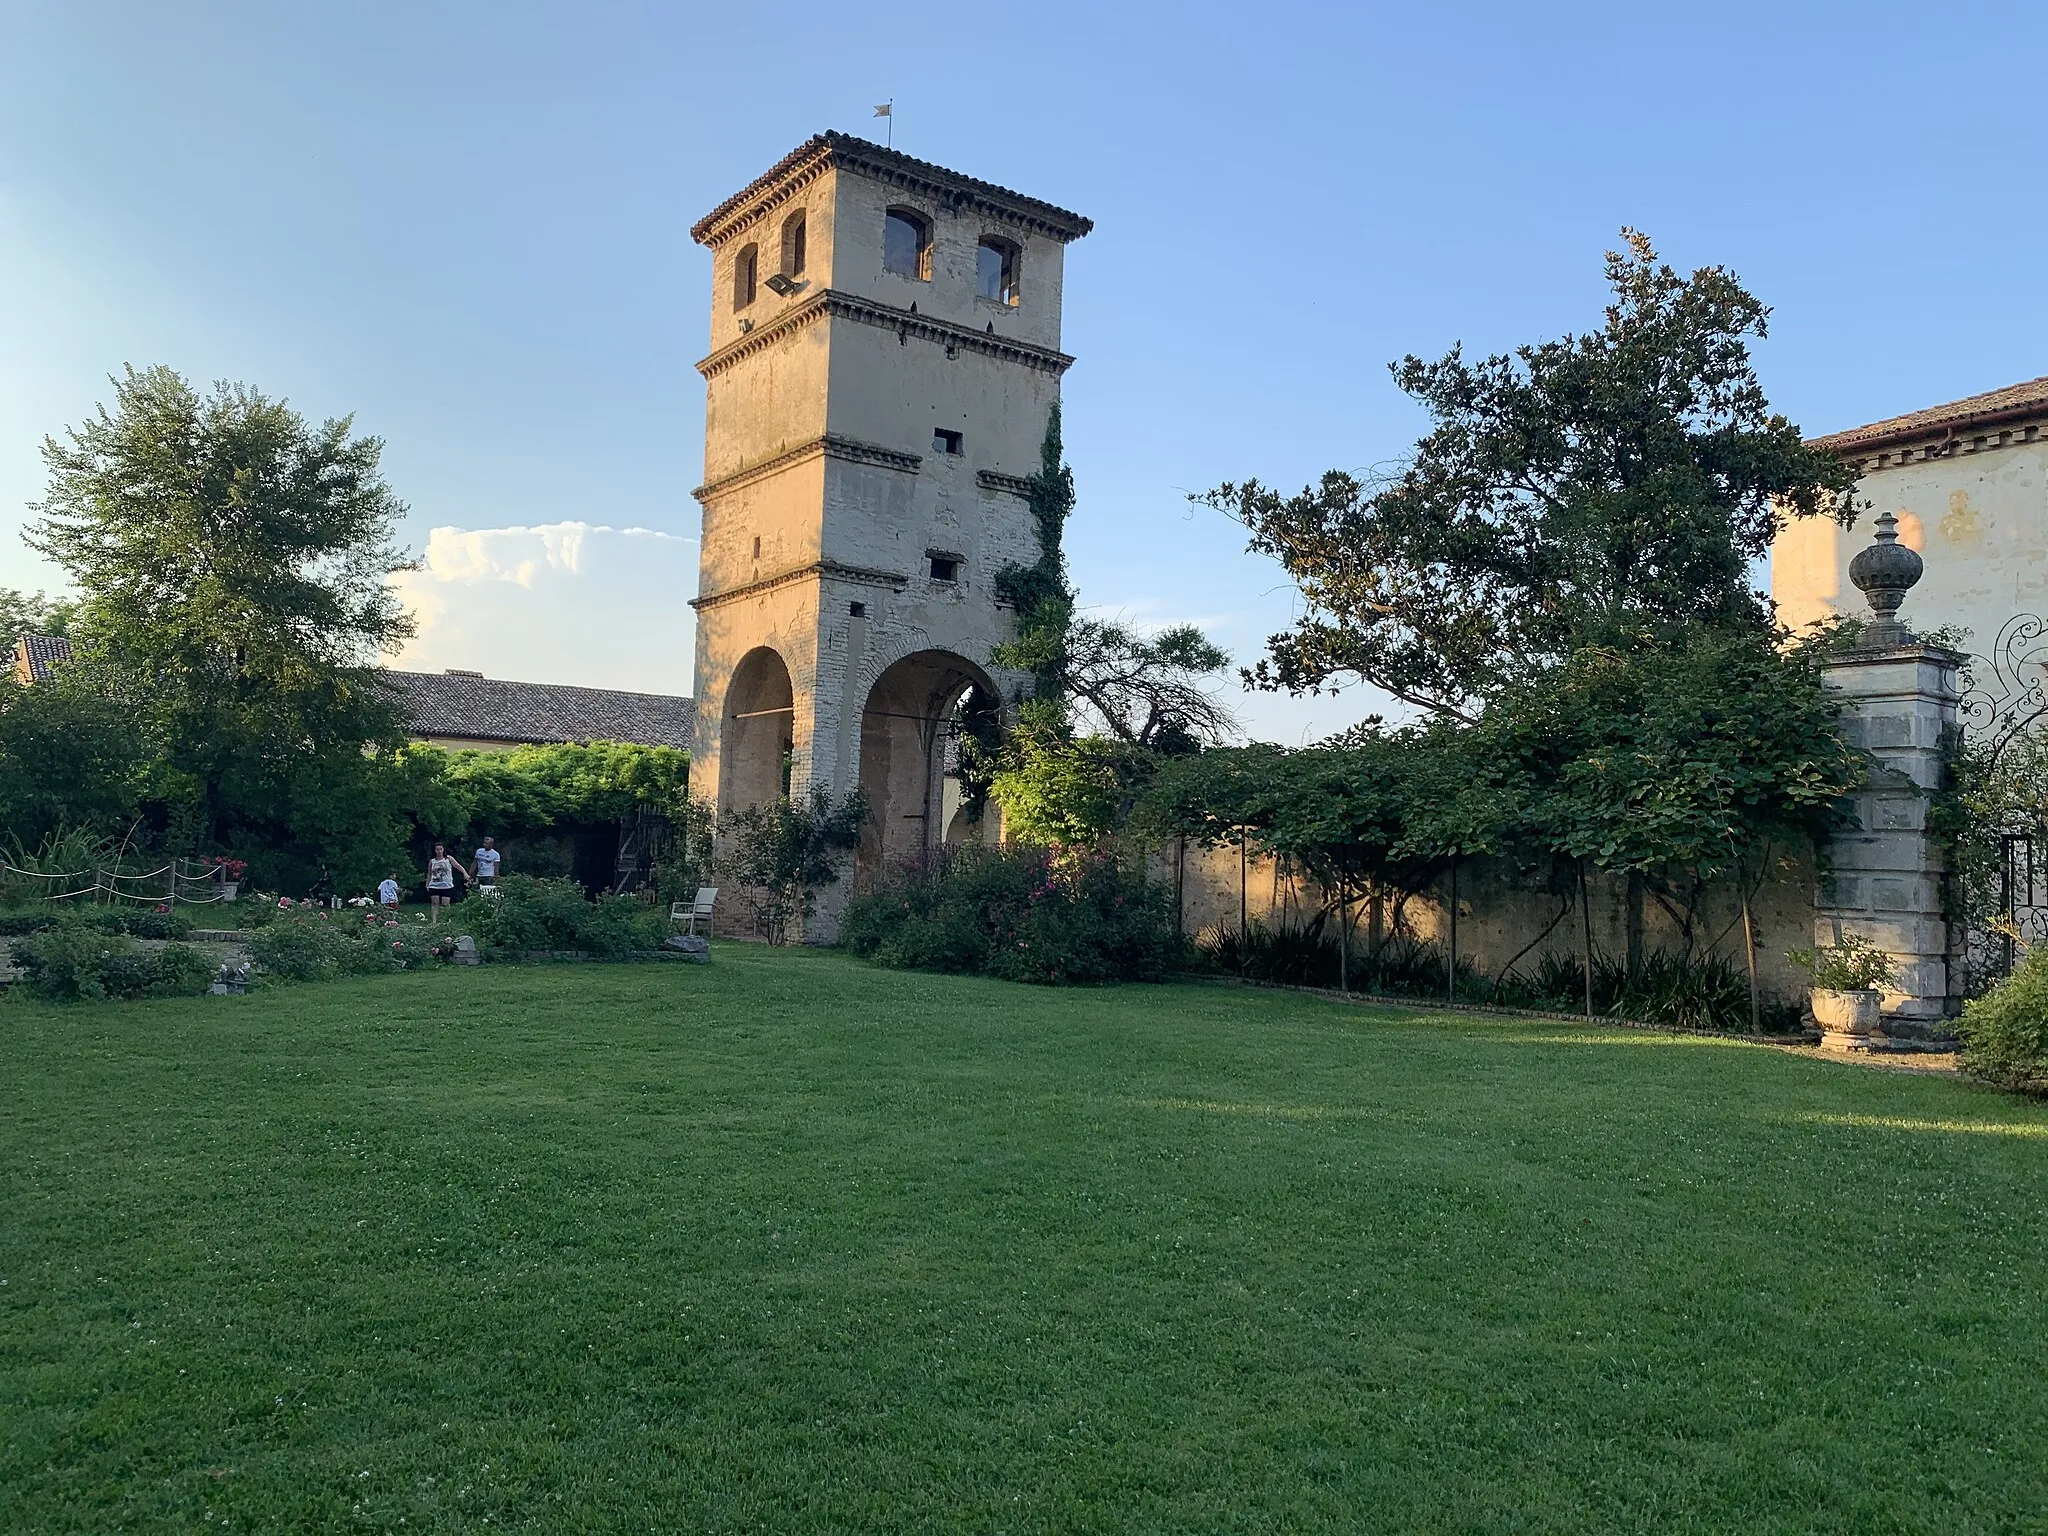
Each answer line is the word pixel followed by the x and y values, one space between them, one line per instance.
pixel 1586 936
pixel 1635 923
pixel 1343 938
pixel 1756 1025
pixel 1451 960
pixel 1180 889
pixel 1244 938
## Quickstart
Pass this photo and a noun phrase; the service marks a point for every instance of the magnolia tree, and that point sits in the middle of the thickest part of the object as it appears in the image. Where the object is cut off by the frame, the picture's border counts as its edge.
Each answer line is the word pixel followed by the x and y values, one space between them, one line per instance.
pixel 1557 584
pixel 1606 489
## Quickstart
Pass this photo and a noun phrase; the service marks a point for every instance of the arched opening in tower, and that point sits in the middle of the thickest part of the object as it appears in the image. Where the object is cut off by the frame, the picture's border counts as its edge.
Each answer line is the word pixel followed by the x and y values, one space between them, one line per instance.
pixel 911 731
pixel 758 739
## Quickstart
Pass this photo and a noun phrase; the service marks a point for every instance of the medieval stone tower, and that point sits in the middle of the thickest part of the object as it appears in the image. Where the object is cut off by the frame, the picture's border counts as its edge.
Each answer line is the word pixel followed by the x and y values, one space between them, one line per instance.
pixel 884 356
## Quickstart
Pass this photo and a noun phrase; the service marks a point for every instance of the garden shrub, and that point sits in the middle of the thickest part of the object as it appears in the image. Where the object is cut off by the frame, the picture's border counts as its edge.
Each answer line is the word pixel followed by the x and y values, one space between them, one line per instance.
pixel 1853 965
pixel 1307 957
pixel 529 914
pixel 1695 992
pixel 2005 1033
pixel 315 945
pixel 1687 991
pixel 1019 914
pixel 136 922
pixel 76 963
pixel 147 923
pixel 297 950
pixel 181 971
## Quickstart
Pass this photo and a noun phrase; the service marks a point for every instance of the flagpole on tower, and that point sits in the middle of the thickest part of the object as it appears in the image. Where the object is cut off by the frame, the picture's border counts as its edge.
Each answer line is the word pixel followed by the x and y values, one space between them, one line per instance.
pixel 888 109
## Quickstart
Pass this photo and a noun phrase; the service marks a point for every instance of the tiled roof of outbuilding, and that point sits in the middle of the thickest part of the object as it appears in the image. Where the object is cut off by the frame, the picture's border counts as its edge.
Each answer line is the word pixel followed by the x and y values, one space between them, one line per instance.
pixel 34 655
pixel 491 709
pixel 2016 402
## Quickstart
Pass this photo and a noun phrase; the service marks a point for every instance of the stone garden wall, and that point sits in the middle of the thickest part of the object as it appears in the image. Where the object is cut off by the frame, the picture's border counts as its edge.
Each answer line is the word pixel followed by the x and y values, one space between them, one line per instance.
pixel 1504 912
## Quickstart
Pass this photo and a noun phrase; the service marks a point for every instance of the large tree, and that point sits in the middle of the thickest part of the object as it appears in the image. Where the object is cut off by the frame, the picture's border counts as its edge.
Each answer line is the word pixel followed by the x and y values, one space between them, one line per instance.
pixel 1154 691
pixel 231 563
pixel 70 759
pixel 31 613
pixel 1604 489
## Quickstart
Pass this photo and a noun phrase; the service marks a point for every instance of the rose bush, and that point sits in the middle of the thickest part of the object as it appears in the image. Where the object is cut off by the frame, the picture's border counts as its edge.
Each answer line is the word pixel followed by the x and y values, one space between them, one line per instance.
pixel 1020 913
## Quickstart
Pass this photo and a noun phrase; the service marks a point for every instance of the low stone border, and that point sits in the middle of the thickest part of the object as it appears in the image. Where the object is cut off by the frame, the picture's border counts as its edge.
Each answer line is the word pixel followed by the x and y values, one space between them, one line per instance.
pixel 1391 1000
pixel 1902 1055
pixel 584 957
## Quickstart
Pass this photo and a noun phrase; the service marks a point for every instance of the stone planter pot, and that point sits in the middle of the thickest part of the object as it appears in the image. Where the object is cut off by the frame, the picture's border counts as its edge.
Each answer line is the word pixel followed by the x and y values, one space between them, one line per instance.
pixel 1847 1019
pixel 228 889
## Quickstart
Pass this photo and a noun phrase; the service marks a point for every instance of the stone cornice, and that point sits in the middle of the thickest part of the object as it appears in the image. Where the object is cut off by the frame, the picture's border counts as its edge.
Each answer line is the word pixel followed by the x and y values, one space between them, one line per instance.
pixel 834 303
pixel 818 570
pixel 1943 445
pixel 849 449
pixel 829 151
pixel 996 480
pixel 1998 418
pixel 784 189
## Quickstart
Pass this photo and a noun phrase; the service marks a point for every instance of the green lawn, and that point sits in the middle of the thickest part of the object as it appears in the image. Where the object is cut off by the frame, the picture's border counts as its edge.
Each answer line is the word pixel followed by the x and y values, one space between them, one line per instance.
pixel 789 1244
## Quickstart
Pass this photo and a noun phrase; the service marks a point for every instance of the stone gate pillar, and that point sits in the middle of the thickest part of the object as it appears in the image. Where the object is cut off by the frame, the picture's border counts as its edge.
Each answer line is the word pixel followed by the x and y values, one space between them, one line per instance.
pixel 1881 877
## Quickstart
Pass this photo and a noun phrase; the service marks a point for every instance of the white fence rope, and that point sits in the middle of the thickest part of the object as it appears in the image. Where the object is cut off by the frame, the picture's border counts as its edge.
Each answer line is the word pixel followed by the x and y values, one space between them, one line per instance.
pixel 104 883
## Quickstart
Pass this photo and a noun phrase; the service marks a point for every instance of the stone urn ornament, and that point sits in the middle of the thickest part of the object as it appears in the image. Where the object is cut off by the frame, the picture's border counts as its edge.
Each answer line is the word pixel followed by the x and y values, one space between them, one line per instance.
pixel 1884 573
pixel 1847 998
pixel 1848 1016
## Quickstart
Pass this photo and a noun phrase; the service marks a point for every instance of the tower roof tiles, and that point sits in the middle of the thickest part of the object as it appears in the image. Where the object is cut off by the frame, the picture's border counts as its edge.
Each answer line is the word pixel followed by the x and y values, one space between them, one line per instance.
pixel 873 160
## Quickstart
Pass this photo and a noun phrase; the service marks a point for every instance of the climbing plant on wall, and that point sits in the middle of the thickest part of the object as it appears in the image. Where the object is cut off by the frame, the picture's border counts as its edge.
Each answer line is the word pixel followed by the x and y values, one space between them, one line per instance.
pixel 1107 702
pixel 1045 608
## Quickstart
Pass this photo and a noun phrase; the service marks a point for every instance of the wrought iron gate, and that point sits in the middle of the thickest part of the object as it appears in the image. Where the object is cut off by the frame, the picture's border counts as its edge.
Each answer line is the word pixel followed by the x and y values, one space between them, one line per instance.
pixel 2004 911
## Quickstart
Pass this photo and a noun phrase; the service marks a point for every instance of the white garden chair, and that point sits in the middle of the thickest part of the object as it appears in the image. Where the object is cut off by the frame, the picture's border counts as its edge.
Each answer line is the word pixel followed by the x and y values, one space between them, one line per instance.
pixel 684 916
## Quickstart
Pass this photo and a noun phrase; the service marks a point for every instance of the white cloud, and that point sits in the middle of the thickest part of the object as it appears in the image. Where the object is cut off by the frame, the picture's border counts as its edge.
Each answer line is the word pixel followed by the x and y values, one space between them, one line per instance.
pixel 568 602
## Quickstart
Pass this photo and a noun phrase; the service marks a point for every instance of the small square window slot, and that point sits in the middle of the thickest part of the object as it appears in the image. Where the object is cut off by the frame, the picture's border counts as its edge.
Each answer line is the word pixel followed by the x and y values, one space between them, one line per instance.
pixel 945 568
pixel 946 442
pixel 857 610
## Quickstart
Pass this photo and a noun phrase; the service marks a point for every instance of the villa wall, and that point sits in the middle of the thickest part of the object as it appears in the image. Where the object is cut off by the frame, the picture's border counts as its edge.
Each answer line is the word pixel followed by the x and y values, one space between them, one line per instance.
pixel 1978 514
pixel 1503 911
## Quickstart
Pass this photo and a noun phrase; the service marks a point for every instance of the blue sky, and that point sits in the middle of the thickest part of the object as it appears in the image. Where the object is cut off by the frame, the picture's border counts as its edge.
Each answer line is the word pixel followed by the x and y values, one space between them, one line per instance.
pixel 468 224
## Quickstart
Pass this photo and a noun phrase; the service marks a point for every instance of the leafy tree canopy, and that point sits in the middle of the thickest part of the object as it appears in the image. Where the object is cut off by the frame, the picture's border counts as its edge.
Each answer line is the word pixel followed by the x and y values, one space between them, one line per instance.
pixel 230 561
pixel 68 759
pixel 1606 489
pixel 1150 691
pixel 1680 764
pixel 530 788
pixel 221 542
pixel 31 613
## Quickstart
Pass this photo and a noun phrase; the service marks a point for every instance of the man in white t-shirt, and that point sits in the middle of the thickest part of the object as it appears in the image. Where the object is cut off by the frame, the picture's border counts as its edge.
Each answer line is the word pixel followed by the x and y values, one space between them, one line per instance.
pixel 387 890
pixel 486 861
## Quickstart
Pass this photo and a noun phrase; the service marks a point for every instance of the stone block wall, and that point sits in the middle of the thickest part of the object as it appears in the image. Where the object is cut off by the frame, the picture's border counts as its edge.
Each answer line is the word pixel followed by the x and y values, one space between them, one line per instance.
pixel 1882 876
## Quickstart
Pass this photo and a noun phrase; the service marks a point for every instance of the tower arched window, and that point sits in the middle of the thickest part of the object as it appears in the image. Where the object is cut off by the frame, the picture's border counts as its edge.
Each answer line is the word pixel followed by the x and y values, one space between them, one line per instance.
pixel 746 270
pixel 907 244
pixel 793 253
pixel 995 270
